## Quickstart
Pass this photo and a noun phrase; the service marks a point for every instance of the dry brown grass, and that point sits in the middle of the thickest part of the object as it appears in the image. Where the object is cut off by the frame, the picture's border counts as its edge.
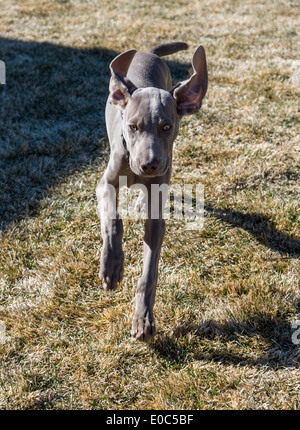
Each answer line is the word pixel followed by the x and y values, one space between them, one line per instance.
pixel 228 293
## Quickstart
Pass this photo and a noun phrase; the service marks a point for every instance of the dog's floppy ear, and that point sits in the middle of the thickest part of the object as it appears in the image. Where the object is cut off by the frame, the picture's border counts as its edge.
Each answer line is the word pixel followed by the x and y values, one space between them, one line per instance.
pixel 120 87
pixel 189 94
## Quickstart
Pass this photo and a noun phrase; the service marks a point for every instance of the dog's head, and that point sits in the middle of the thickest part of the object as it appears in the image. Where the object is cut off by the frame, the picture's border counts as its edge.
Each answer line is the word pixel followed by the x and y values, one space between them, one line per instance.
pixel 151 115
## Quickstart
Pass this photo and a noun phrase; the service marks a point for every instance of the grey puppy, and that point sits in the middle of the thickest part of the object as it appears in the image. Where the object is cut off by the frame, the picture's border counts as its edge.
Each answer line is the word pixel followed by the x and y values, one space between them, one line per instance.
pixel 142 118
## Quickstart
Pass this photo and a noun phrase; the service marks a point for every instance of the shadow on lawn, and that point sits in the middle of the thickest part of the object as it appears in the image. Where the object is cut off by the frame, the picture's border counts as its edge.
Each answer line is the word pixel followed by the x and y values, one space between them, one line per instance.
pixel 51 118
pixel 261 228
pixel 220 342
pixel 274 333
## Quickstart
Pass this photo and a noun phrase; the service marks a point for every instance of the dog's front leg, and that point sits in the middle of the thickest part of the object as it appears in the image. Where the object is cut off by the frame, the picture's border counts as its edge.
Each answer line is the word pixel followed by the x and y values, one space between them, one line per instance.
pixel 112 256
pixel 143 326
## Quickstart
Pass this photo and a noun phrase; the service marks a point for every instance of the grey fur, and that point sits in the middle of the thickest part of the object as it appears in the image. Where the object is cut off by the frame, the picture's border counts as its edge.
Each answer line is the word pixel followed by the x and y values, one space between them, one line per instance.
pixel 143 109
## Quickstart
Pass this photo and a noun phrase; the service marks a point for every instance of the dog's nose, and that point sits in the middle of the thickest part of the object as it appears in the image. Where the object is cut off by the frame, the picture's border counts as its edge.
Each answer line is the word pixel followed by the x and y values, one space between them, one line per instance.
pixel 150 167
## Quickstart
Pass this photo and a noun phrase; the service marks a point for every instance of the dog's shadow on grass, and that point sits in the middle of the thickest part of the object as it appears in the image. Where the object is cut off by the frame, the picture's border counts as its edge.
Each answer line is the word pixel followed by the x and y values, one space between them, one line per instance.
pixel 51 118
pixel 260 227
pixel 231 343
pixel 214 340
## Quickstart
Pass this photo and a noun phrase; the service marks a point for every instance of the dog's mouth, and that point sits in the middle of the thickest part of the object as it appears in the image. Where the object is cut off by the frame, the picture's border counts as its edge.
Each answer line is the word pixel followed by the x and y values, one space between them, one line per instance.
pixel 159 171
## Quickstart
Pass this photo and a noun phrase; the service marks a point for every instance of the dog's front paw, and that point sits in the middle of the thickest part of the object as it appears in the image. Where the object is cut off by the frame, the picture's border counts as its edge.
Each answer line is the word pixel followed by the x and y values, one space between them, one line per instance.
pixel 143 326
pixel 111 268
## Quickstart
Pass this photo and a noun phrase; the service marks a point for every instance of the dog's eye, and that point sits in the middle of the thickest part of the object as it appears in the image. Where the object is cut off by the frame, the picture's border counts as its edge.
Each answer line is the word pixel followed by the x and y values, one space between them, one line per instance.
pixel 166 127
pixel 133 127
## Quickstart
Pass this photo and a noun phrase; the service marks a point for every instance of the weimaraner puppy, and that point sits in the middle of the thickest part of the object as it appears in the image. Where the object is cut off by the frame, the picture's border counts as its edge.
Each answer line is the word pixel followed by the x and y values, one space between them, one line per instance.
pixel 142 118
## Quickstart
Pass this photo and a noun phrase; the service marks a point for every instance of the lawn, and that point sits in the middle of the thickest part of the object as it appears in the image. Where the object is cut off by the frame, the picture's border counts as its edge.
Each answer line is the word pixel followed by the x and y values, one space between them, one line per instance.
pixel 228 292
